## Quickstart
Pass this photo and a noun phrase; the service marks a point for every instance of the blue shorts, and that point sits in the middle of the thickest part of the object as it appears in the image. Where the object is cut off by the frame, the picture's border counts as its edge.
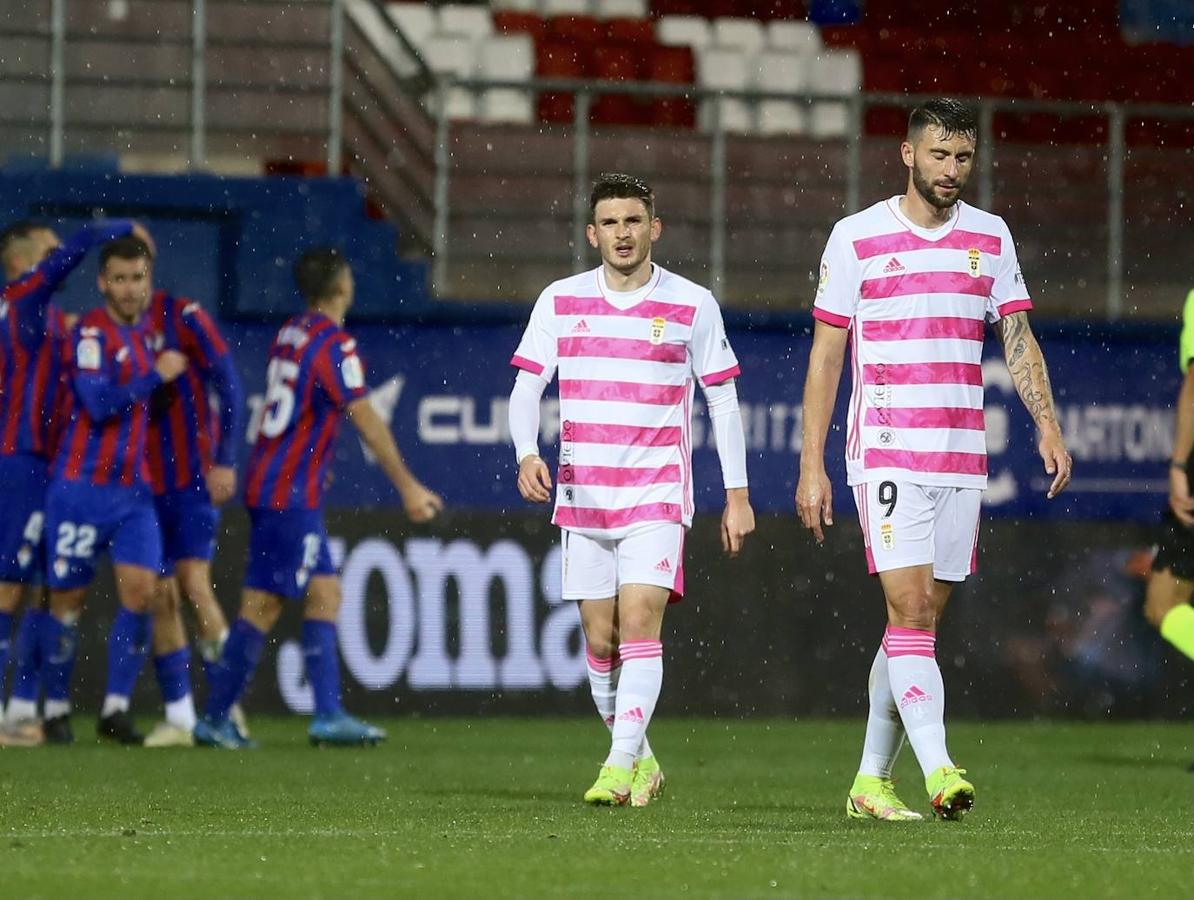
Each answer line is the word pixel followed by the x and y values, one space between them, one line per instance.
pixel 84 519
pixel 188 522
pixel 286 548
pixel 22 515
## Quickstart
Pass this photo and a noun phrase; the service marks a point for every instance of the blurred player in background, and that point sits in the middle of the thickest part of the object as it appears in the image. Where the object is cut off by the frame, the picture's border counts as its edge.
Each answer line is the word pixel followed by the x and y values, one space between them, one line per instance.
pixel 1171 584
pixel 629 339
pixel 99 496
pixel 909 283
pixel 33 332
pixel 192 457
pixel 315 376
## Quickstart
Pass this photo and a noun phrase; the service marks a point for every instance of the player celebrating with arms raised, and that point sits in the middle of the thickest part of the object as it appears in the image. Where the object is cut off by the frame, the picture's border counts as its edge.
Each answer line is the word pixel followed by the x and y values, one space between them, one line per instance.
pixel 315 376
pixel 909 283
pixel 629 339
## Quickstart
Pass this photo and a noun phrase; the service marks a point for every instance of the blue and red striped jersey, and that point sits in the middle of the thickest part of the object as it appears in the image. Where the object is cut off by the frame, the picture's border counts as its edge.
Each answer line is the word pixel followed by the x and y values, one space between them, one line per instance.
pixel 186 436
pixel 33 335
pixel 314 373
pixel 111 377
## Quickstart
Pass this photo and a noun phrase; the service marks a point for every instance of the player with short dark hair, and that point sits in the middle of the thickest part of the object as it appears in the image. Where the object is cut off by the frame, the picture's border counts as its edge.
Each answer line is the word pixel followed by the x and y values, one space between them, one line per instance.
pixel 99 497
pixel 32 334
pixel 909 284
pixel 630 341
pixel 315 377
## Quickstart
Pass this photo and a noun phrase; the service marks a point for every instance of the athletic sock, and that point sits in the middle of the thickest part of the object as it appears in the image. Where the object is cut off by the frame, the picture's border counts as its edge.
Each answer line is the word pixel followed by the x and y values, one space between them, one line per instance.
pixel 1178 628
pixel 5 646
pixel 637 693
pixel 209 653
pixel 59 644
pixel 919 693
pixel 237 663
pixel 128 645
pixel 603 684
pixel 173 672
pixel 26 681
pixel 884 728
pixel 322 659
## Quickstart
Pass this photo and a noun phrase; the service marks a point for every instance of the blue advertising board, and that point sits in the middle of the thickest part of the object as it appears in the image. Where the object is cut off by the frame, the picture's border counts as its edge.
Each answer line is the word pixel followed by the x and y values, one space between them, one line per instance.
pixel 444 390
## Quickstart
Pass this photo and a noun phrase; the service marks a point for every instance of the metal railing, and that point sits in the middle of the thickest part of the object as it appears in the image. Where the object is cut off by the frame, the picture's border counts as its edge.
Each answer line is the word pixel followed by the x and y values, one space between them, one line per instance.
pixel 360 96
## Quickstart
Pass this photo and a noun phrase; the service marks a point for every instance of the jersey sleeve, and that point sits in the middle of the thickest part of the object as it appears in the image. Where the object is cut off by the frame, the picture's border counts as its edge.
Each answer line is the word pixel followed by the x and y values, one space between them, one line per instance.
pixel 1008 293
pixel 95 378
pixel 1186 345
pixel 713 358
pixel 837 282
pixel 341 372
pixel 205 347
pixel 537 352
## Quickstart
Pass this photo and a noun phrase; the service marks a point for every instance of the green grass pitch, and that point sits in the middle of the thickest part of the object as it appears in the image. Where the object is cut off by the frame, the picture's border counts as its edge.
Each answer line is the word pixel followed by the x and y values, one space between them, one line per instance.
pixel 491 808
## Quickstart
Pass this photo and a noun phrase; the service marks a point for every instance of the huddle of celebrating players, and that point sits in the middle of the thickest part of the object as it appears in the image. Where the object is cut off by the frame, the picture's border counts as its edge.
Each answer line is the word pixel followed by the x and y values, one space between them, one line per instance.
pixel 109 436
pixel 110 444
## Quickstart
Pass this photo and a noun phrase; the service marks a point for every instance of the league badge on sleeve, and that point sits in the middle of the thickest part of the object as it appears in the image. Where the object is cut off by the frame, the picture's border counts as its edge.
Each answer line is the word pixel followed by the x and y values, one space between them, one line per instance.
pixel 975 262
pixel 87 354
pixel 658 324
pixel 353 372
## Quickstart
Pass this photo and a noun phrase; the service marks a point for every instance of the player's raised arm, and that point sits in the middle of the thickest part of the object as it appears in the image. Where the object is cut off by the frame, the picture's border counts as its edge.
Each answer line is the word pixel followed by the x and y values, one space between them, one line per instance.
pixel 1026 363
pixel 814 493
pixel 534 478
pixel 421 504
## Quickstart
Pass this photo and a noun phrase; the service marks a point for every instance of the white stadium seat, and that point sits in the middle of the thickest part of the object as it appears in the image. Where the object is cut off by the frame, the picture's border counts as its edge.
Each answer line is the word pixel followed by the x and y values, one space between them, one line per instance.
pixel 549 8
pixel 796 36
pixel 475 21
pixel 416 21
pixel 506 57
pixel 683 31
pixel 781 72
pixel 621 9
pixel 745 34
pixel 721 68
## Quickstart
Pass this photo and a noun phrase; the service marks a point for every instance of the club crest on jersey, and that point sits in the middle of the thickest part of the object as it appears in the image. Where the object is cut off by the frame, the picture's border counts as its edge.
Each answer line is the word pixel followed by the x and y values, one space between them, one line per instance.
pixel 658 324
pixel 155 341
pixel 974 262
pixel 122 354
pixel 887 536
pixel 87 354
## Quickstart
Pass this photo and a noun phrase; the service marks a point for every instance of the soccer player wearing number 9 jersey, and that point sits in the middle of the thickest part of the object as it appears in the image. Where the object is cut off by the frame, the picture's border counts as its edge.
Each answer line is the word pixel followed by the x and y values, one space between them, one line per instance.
pixel 315 376
pixel 909 283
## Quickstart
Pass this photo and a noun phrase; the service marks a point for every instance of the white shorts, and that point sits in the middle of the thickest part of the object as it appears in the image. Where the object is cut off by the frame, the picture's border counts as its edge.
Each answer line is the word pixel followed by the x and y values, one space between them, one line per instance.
pixel 907 524
pixel 594 568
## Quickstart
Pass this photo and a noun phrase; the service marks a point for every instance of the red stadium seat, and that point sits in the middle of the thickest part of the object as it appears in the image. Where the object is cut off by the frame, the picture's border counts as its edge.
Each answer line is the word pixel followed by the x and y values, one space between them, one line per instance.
pixel 558 59
pixel 511 22
pixel 618 62
pixel 672 65
pixel 584 30
pixel 630 31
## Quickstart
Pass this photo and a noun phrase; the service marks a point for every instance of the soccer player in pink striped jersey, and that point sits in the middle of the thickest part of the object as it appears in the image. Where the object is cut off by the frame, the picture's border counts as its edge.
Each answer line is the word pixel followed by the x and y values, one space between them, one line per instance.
pixel 630 341
pixel 909 284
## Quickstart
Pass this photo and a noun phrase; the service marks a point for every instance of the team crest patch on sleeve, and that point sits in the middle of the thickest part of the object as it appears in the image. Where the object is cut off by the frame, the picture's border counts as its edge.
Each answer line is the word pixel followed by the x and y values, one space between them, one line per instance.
pixel 87 354
pixel 658 324
pixel 975 260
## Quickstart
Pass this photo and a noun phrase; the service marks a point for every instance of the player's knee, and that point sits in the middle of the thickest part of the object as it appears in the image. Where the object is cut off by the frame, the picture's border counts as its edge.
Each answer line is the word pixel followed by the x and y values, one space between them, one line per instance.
pixel 10 596
pixel 1160 598
pixel 164 601
pixel 260 609
pixel 914 609
pixel 602 646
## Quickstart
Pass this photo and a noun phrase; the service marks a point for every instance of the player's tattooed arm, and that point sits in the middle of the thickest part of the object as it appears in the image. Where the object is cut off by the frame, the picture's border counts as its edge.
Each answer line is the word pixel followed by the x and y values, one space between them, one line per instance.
pixel 1030 375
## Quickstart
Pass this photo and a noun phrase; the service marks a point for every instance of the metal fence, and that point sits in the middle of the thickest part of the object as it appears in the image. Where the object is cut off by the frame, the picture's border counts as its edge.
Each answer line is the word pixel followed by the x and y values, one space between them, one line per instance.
pixel 225 84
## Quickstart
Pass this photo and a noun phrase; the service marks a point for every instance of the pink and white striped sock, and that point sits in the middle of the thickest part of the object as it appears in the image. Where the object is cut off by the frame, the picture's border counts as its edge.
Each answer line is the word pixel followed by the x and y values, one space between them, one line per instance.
pixel 638 692
pixel 603 684
pixel 884 728
pixel 919 692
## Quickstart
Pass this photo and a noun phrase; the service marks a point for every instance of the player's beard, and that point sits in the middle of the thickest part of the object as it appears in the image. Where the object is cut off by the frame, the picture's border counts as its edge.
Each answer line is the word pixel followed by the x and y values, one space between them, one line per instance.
pixel 924 187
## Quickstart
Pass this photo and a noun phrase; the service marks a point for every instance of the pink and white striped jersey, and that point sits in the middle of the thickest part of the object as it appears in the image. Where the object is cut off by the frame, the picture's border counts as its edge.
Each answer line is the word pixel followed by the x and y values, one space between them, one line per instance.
pixel 916 301
pixel 628 364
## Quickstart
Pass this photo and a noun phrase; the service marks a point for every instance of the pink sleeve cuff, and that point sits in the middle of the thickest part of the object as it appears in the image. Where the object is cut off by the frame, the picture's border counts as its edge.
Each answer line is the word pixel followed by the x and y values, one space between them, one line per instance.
pixel 830 318
pixel 722 376
pixel 1014 306
pixel 529 365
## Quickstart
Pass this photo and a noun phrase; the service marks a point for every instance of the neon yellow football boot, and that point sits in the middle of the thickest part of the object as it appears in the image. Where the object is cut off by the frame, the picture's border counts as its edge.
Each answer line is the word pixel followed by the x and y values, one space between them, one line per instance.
pixel 648 781
pixel 950 794
pixel 872 797
pixel 612 787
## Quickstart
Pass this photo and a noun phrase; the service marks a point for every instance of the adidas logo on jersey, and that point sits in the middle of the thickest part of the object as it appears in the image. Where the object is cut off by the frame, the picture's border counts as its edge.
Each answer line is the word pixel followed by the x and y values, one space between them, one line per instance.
pixel 581 327
pixel 893 266
pixel 663 565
